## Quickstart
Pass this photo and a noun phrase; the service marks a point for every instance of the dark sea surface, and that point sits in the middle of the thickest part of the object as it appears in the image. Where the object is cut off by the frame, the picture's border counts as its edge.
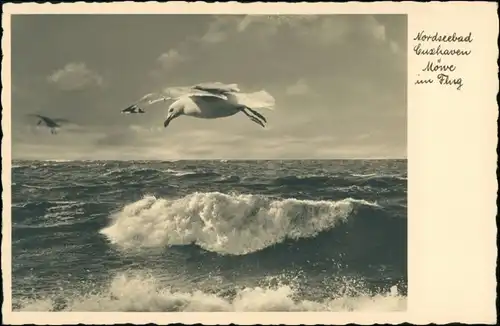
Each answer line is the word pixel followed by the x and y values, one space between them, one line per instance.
pixel 209 235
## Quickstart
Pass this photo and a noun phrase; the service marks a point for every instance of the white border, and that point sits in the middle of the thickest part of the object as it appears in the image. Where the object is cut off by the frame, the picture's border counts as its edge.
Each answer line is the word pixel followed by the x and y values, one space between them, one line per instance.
pixel 451 167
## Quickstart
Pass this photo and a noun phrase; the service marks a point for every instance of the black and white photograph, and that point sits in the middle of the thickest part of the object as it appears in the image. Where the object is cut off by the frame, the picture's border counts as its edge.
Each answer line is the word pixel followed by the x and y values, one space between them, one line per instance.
pixel 209 162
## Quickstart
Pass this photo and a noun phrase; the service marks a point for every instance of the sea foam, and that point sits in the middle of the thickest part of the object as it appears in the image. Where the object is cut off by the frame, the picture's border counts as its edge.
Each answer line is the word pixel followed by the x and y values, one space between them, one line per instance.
pixel 223 223
pixel 142 293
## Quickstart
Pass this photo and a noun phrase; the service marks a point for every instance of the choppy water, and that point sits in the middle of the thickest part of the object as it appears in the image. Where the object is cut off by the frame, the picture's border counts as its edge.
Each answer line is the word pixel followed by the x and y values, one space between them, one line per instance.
pixel 209 235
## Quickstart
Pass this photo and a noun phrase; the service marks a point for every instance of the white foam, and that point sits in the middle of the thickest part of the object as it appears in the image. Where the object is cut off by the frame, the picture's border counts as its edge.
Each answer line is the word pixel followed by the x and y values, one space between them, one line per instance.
pixel 59 161
pixel 363 175
pixel 146 294
pixel 179 173
pixel 227 224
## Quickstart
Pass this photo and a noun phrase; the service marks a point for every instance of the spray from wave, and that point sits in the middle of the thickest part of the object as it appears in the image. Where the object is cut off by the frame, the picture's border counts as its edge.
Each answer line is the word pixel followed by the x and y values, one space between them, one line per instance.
pixel 226 224
pixel 145 293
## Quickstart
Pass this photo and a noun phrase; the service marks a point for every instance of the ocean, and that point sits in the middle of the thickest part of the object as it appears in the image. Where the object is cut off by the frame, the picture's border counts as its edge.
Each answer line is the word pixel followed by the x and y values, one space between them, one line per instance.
pixel 303 235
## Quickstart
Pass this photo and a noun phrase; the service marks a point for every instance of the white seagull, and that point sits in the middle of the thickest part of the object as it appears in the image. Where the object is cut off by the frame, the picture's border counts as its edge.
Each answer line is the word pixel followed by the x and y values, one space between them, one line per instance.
pixel 210 101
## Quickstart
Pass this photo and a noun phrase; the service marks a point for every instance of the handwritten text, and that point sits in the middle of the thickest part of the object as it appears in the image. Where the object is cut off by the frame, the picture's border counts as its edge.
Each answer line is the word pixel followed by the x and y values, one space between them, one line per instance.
pixel 436 71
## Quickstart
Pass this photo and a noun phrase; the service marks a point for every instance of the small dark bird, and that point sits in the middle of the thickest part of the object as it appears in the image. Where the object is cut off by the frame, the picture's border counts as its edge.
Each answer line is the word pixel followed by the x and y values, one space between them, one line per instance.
pixel 133 109
pixel 53 124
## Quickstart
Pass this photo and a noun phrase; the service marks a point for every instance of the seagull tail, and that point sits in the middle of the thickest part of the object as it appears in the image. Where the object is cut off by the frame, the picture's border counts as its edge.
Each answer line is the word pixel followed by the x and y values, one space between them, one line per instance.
pixel 257 100
pixel 233 87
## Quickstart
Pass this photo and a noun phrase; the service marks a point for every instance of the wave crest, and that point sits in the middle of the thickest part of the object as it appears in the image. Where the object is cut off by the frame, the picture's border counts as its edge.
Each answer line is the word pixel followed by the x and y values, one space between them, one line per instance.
pixel 226 224
pixel 146 294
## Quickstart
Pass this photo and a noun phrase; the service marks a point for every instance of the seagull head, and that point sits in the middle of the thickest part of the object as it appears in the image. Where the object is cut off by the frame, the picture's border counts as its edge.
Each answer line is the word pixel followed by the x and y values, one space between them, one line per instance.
pixel 174 110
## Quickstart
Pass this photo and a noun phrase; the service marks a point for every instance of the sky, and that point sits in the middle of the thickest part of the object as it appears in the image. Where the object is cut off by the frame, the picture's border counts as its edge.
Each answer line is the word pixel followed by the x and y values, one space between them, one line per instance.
pixel 340 84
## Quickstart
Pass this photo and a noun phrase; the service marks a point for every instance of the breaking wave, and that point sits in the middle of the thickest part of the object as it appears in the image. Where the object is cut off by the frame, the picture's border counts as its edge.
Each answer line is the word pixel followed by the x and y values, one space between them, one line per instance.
pixel 142 293
pixel 222 223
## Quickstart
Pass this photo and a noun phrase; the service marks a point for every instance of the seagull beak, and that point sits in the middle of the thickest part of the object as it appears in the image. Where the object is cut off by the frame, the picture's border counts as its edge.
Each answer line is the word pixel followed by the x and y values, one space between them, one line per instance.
pixel 168 119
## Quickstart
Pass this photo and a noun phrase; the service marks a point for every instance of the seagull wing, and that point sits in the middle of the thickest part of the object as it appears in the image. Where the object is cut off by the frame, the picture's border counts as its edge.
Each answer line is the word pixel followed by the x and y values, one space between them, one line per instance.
pixel 172 93
pixel 45 119
pixel 130 108
pixel 217 87
pixel 36 115
pixel 208 94
pixel 146 100
pixel 49 122
pixel 177 92
pixel 60 120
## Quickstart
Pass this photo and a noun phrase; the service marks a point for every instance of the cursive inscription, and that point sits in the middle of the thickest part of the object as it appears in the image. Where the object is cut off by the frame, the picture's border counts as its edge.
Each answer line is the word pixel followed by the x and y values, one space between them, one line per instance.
pixel 436 66
pixel 436 37
pixel 436 70
pixel 447 80
pixel 419 50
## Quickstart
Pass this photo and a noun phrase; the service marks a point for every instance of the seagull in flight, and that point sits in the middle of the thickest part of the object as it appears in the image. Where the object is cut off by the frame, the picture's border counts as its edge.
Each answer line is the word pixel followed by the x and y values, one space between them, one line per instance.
pixel 53 124
pixel 146 100
pixel 211 101
pixel 133 109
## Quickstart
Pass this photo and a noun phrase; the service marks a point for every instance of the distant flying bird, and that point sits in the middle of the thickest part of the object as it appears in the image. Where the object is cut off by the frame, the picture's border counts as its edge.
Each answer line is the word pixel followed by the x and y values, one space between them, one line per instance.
pixel 211 101
pixel 133 109
pixel 53 124
pixel 146 100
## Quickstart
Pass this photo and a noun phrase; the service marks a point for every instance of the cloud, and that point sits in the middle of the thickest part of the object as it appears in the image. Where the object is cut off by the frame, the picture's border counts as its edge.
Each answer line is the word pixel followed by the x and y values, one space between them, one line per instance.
pixel 226 38
pixel 220 28
pixel 261 28
pixel 299 88
pixel 224 27
pixel 140 142
pixel 340 28
pixel 394 46
pixel 272 23
pixel 133 135
pixel 376 29
pixel 170 59
pixel 363 136
pixel 310 28
pixel 318 29
pixel 379 33
pixel 75 76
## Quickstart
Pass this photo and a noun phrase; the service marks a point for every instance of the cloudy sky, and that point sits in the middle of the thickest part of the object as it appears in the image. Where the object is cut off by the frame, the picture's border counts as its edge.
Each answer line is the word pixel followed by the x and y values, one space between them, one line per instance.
pixel 339 83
